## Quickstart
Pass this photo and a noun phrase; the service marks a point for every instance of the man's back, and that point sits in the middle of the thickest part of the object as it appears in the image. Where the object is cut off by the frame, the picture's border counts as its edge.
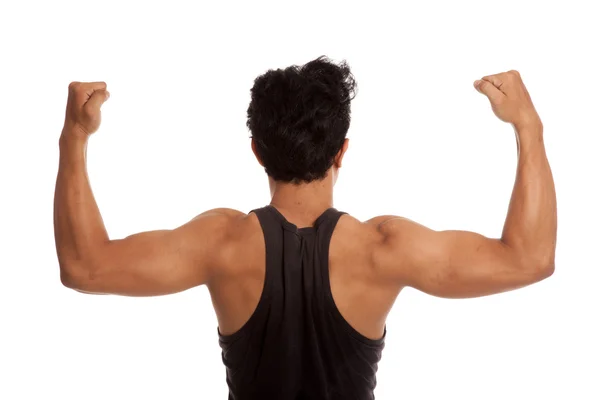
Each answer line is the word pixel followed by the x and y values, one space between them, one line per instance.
pixel 362 297
pixel 281 331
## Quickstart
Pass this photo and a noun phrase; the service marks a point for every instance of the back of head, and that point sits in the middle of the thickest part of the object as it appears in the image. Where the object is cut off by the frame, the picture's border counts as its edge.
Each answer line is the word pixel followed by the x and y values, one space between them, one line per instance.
pixel 299 117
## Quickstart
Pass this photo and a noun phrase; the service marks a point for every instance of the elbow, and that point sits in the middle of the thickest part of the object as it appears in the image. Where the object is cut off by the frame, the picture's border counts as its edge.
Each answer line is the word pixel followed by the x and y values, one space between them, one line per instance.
pixel 76 277
pixel 542 269
pixel 71 277
pixel 66 279
pixel 67 273
pixel 547 265
pixel 534 267
pixel 71 280
pixel 546 270
pixel 529 271
pixel 550 267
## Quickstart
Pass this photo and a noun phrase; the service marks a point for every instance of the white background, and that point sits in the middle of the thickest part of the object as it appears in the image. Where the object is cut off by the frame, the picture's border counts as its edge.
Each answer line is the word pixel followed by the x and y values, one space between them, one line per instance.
pixel 173 143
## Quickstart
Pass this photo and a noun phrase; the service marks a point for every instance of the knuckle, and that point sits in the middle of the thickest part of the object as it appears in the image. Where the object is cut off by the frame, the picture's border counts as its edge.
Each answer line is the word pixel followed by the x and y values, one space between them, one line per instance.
pixel 514 74
pixel 74 85
pixel 489 79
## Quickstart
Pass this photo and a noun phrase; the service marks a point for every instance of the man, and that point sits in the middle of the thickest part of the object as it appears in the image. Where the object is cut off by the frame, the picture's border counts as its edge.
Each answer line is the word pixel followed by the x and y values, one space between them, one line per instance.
pixel 301 290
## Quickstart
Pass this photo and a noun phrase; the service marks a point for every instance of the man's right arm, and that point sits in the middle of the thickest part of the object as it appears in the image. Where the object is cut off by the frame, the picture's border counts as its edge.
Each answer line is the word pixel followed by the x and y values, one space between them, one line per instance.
pixel 458 264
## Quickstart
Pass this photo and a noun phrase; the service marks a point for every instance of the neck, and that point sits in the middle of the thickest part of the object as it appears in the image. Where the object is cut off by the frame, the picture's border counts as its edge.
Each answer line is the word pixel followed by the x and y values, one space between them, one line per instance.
pixel 305 199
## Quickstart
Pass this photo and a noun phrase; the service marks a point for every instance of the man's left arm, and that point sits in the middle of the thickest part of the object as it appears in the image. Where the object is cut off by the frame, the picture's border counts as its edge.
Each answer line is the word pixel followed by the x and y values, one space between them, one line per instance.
pixel 144 264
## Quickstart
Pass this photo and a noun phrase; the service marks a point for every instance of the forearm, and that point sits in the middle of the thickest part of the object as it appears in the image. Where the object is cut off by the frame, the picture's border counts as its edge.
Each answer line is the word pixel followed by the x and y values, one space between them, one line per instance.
pixel 531 223
pixel 78 227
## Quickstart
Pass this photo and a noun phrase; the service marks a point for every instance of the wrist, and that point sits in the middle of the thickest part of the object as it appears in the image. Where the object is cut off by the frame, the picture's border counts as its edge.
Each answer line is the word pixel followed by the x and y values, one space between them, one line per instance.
pixel 73 129
pixel 533 125
pixel 72 146
pixel 529 138
pixel 533 129
pixel 72 136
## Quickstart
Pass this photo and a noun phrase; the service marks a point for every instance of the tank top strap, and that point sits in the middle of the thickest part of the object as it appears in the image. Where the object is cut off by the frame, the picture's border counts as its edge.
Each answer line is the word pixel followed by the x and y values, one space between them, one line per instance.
pixel 326 223
pixel 273 235
pixel 325 227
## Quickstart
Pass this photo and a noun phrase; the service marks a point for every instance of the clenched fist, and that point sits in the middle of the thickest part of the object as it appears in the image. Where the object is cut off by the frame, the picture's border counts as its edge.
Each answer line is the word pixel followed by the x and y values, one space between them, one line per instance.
pixel 83 107
pixel 509 99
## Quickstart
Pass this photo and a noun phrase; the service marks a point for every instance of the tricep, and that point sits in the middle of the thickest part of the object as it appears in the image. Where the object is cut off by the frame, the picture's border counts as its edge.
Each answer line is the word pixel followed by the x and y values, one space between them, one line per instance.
pixel 452 263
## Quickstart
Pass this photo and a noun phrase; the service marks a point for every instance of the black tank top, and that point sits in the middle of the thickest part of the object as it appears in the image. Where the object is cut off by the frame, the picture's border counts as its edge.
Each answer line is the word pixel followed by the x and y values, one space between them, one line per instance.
pixel 296 345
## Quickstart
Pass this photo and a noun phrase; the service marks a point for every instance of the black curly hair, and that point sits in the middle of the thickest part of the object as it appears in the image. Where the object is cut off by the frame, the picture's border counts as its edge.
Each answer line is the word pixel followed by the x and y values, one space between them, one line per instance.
pixel 299 117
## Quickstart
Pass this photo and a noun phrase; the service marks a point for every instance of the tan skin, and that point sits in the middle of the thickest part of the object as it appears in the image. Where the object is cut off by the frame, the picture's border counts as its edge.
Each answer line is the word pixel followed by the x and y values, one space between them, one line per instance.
pixel 370 261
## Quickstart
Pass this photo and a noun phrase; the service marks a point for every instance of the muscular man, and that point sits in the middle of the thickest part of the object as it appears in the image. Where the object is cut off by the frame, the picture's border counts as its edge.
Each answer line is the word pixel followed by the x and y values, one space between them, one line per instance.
pixel 301 290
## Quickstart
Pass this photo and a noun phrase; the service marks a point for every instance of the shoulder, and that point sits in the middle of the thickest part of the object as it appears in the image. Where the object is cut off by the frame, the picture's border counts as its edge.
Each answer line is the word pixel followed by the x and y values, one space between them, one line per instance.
pixel 372 237
pixel 221 214
pixel 391 228
pixel 383 223
pixel 225 231
pixel 388 240
pixel 377 228
pixel 221 219
pixel 213 229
